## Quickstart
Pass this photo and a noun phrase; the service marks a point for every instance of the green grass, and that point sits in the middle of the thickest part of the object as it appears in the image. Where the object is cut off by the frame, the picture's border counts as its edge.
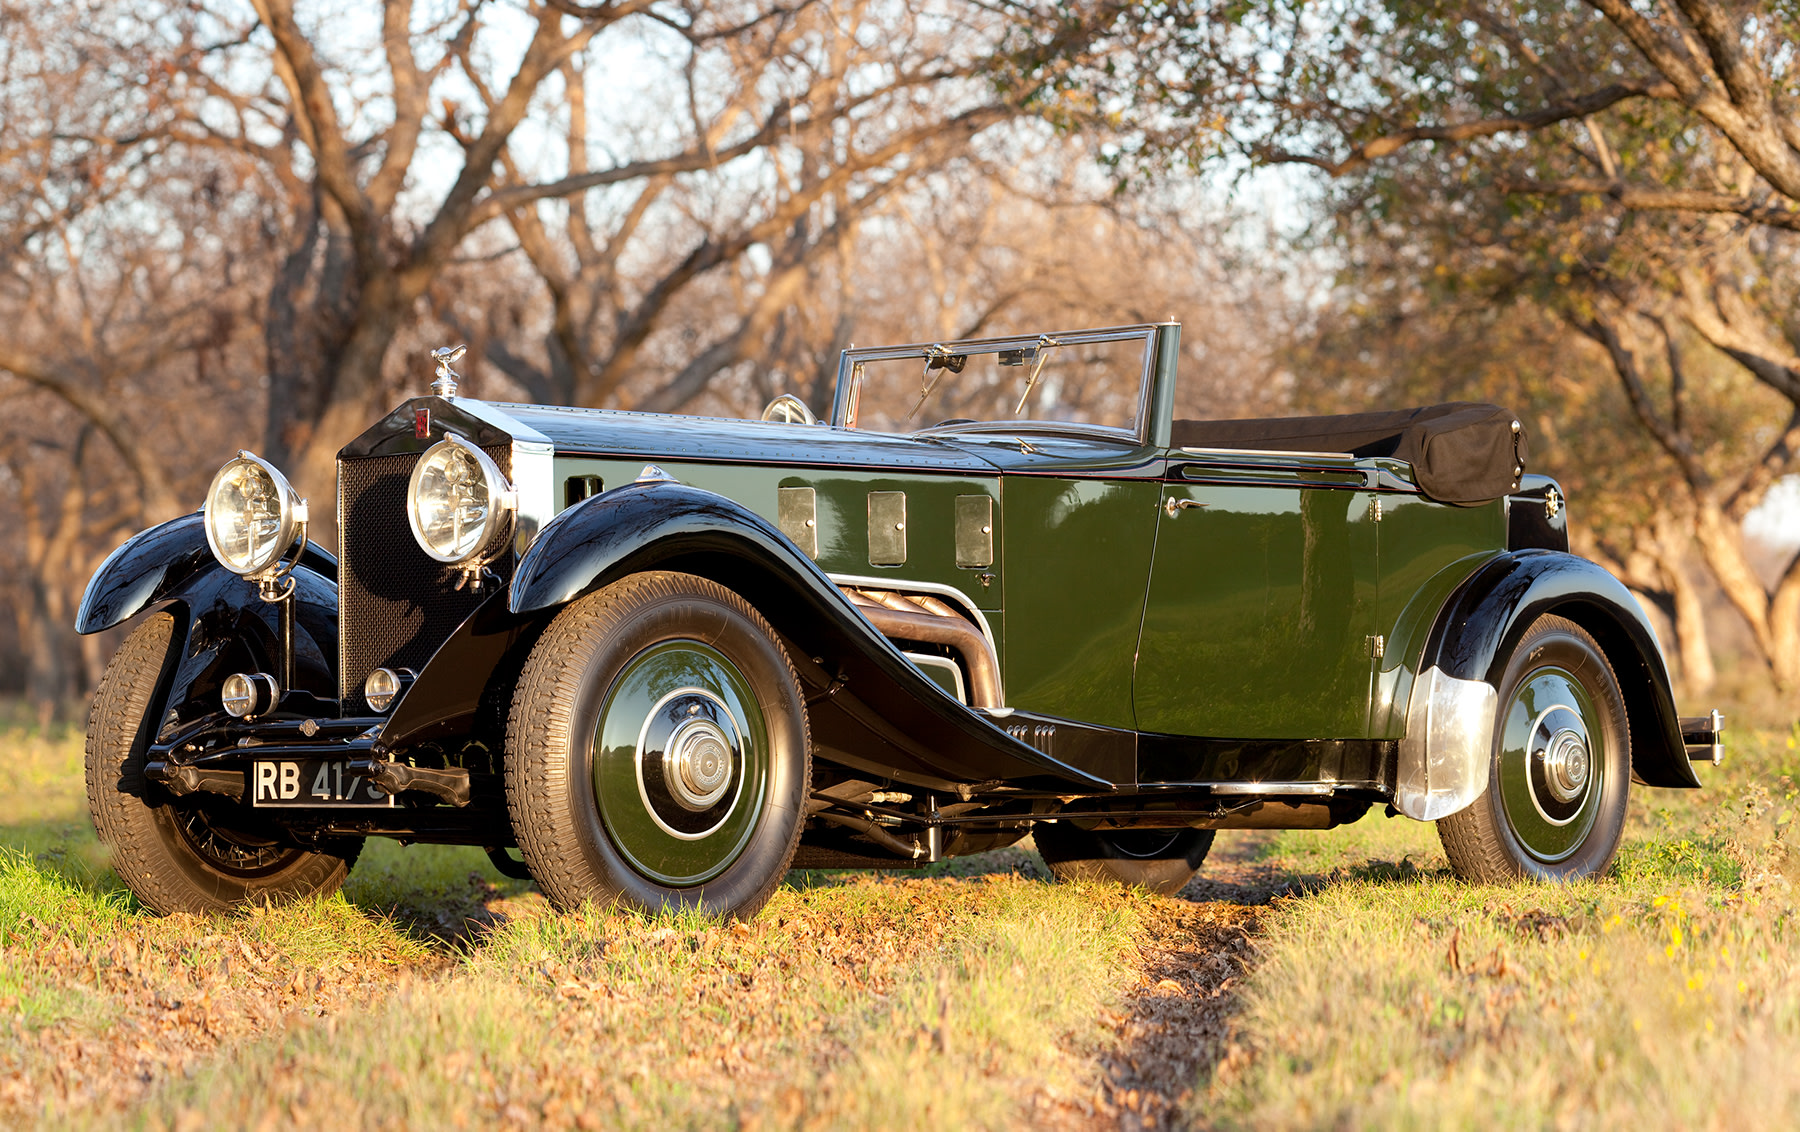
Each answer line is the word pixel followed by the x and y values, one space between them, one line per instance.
pixel 837 1003
pixel 1665 995
pixel 434 993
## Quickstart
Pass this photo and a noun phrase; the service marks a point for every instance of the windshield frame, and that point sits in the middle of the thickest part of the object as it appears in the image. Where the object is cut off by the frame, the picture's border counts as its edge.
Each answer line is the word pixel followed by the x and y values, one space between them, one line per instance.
pixel 845 402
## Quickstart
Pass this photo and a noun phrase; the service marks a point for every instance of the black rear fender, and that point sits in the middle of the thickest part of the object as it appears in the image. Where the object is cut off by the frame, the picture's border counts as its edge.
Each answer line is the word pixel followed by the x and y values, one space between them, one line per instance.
pixel 1475 633
pixel 871 709
pixel 222 626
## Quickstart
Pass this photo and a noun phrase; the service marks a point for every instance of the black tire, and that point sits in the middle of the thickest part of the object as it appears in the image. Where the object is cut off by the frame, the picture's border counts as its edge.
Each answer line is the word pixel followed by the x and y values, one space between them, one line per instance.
pixel 657 753
pixel 1559 701
pixel 1160 860
pixel 199 854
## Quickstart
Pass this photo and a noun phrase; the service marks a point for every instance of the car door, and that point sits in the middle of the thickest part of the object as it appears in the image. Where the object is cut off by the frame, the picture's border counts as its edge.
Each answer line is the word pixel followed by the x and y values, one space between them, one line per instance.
pixel 1078 526
pixel 1259 622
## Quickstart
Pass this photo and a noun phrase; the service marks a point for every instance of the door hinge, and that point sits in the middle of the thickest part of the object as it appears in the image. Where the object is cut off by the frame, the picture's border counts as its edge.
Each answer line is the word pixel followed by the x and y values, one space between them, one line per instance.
pixel 1377 645
pixel 1375 509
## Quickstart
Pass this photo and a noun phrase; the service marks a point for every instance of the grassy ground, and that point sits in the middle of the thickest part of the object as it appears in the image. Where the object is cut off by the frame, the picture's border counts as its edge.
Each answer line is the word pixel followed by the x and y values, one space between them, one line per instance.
pixel 1664 996
pixel 1308 979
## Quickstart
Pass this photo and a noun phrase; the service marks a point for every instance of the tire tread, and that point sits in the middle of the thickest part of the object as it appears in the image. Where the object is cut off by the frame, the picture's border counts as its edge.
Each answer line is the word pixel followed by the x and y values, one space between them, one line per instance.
pixel 142 854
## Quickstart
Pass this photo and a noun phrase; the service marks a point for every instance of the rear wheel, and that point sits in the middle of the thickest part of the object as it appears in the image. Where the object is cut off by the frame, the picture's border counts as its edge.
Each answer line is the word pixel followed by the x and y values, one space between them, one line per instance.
pixel 1554 808
pixel 197 854
pixel 658 752
pixel 1161 860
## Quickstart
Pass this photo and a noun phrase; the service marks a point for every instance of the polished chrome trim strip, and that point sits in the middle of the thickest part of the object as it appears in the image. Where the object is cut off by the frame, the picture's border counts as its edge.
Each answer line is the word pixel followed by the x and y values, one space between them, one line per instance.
pixel 1273 787
pixel 922 660
pixel 1272 454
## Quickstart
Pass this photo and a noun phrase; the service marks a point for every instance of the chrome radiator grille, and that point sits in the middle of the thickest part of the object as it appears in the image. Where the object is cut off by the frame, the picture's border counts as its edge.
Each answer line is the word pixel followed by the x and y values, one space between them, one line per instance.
pixel 395 604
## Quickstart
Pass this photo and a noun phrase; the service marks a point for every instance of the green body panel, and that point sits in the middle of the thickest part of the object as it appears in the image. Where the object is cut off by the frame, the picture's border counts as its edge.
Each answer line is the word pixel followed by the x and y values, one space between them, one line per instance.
pixel 1075 597
pixel 1427 550
pixel 842 514
pixel 1250 617
pixel 1078 530
pixel 1261 603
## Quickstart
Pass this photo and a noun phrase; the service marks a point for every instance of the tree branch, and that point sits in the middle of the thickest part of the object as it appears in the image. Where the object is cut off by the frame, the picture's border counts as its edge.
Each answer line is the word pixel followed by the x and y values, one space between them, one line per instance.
pixel 158 497
pixel 1662 200
pixel 1380 147
pixel 1625 364
pixel 505 199
pixel 324 134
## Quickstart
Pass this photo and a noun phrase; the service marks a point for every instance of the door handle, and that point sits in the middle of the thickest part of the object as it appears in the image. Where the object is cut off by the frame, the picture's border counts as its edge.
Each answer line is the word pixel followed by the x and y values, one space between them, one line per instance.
pixel 1173 506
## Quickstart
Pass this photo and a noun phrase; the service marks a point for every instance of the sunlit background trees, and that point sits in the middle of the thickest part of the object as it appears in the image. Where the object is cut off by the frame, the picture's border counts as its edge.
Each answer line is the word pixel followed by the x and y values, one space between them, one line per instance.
pixel 231 223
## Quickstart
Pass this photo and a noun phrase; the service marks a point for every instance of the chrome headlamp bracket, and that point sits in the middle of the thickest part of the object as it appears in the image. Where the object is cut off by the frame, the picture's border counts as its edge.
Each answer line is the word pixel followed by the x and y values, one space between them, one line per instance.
pixel 277 584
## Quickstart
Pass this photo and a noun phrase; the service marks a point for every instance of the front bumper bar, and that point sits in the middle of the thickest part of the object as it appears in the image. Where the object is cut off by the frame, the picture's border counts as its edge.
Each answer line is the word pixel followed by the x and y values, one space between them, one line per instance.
pixel 1704 737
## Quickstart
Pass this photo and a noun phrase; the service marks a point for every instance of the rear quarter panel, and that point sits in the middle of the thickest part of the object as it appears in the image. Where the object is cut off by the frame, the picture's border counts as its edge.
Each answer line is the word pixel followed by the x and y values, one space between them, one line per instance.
pixel 1427 549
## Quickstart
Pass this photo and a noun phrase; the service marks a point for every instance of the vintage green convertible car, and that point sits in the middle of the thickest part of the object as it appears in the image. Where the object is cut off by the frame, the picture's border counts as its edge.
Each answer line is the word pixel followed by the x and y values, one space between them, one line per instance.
pixel 1000 591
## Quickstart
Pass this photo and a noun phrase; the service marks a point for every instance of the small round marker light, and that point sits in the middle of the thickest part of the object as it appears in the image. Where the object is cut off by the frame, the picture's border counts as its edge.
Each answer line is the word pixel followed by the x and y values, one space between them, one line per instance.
pixel 383 686
pixel 246 695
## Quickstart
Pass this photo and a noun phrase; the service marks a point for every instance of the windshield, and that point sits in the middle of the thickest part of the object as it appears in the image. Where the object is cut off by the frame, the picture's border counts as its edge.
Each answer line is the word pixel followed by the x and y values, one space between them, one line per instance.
pixel 1088 379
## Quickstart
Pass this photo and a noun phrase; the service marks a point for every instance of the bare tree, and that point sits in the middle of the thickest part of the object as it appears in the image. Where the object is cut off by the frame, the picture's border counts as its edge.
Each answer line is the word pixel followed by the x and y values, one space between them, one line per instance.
pixel 388 157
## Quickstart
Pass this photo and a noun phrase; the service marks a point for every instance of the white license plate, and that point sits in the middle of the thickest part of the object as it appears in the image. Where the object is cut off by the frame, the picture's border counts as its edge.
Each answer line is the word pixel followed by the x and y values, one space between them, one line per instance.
pixel 312 783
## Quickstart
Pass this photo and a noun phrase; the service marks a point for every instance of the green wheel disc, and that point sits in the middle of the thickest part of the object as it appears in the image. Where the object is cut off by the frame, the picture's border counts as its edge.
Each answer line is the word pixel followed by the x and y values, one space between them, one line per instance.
pixel 681 762
pixel 1552 763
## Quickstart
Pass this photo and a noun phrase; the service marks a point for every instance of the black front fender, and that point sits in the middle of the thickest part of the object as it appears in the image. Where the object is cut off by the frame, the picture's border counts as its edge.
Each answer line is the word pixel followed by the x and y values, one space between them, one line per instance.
pixel 871 708
pixel 154 565
pixel 222 626
pixel 1475 634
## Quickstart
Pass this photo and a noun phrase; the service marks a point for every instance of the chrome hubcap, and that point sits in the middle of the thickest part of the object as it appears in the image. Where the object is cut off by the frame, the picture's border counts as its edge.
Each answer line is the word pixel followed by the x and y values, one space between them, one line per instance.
pixel 1565 765
pixel 700 752
pixel 681 762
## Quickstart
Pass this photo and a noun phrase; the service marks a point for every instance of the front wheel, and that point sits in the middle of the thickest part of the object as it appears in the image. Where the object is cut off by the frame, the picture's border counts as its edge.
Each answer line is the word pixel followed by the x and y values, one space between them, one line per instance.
pixel 1554 808
pixel 1160 860
pixel 197 854
pixel 657 751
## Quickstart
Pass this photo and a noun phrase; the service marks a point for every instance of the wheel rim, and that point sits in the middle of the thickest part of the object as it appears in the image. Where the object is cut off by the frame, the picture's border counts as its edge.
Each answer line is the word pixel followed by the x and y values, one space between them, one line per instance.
pixel 1552 763
pixel 681 763
pixel 227 850
pixel 1145 844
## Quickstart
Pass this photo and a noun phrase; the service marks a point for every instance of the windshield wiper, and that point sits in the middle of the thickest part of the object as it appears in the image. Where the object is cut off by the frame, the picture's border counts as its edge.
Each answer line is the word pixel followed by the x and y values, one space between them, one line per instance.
pixel 942 360
pixel 1045 344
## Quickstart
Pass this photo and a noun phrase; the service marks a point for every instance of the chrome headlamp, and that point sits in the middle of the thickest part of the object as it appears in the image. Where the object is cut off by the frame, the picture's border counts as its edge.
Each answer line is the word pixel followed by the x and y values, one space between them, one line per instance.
pixel 253 516
pixel 459 505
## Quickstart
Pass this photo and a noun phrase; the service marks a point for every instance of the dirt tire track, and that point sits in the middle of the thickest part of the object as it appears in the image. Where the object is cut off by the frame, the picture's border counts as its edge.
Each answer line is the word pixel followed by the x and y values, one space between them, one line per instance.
pixel 1177 1021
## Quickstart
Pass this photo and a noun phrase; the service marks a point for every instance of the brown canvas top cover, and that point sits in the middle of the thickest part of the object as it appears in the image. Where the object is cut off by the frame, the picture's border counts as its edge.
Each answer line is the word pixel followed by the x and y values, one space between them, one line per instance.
pixel 1460 452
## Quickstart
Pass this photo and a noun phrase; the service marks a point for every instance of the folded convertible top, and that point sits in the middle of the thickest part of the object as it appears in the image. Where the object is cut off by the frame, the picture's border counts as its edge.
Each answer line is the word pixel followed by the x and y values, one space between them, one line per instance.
pixel 1461 452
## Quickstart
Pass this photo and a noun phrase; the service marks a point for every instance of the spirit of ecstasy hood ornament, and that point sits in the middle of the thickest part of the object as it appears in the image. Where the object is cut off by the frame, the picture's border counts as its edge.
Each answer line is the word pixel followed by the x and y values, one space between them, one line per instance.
pixel 445 385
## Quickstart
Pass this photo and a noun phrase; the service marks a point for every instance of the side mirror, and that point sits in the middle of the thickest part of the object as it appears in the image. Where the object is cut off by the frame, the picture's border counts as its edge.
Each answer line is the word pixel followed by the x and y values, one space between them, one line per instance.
pixel 789 409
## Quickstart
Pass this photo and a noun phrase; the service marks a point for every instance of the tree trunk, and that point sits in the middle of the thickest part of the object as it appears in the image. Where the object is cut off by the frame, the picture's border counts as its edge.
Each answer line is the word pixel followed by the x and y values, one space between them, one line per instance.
pixel 351 408
pixel 1695 650
pixel 1784 623
pixel 1722 546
